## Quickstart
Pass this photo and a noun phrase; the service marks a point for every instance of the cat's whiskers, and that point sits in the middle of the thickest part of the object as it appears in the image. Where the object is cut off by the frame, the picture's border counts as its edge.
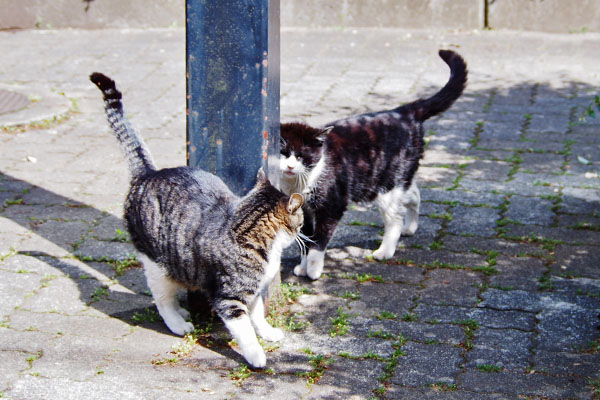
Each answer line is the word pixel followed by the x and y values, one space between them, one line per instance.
pixel 301 239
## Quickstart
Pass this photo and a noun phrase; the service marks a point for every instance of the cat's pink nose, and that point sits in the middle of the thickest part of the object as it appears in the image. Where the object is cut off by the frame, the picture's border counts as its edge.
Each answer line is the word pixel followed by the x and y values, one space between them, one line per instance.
pixel 290 167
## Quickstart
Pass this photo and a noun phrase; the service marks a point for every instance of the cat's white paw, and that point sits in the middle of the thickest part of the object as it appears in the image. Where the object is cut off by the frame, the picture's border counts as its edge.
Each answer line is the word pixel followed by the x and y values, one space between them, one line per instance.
pixel 314 264
pixel 255 356
pixel 185 314
pixel 410 227
pixel 300 270
pixel 271 334
pixel 180 326
pixel 383 253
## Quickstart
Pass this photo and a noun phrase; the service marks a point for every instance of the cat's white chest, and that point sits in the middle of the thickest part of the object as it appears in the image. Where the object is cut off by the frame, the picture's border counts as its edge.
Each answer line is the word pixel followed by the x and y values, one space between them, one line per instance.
pixel 282 240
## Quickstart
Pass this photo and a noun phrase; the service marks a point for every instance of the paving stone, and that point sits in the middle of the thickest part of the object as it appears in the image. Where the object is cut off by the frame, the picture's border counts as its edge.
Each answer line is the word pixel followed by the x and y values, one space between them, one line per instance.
pixel 463 197
pixel 447 287
pixel 463 221
pixel 525 384
pixel 348 379
pixel 381 297
pixel 526 210
pixel 487 170
pixel 425 364
pixel 512 300
pixel 485 317
pixel 547 123
pixel 421 331
pixel 564 363
pixel 522 273
pixel 465 244
pixel 13 363
pixel 567 325
pixel 579 261
pixel 570 236
pixel 542 163
pixel 432 177
pixel 15 288
pixel 405 393
pixel 580 201
pixel 489 349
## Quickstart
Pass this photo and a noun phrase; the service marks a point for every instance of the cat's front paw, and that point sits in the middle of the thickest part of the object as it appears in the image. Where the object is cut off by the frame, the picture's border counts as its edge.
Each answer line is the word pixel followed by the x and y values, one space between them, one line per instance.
pixel 314 264
pixel 180 327
pixel 410 229
pixel 185 314
pixel 255 356
pixel 300 270
pixel 383 254
pixel 271 334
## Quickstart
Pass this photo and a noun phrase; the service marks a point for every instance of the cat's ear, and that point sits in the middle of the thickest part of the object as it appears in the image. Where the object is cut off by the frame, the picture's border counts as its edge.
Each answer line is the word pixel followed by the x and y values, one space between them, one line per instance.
pixel 295 202
pixel 323 133
pixel 261 178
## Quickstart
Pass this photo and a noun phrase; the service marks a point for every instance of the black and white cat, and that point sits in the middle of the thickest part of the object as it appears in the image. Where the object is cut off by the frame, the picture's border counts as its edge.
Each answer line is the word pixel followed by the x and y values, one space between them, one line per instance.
pixel 192 232
pixel 363 158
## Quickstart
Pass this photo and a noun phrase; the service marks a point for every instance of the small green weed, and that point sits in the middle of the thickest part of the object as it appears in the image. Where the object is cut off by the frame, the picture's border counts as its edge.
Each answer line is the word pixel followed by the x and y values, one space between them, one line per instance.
pixel 469 326
pixel 386 315
pixel 348 295
pixel 100 293
pixel 341 325
pixel 381 334
pixel 320 363
pixel 410 317
pixel 149 315
pixel 489 368
pixel 240 374
pixel 121 236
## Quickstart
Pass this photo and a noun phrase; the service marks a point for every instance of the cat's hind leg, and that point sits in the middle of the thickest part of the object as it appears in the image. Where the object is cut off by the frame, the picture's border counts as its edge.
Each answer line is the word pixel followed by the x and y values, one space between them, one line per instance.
pixel 412 202
pixel 392 212
pixel 164 291
pixel 262 327
pixel 235 316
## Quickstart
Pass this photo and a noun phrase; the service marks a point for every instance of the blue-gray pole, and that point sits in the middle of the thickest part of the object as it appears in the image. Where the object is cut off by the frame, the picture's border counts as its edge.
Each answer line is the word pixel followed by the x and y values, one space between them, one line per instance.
pixel 233 89
pixel 232 68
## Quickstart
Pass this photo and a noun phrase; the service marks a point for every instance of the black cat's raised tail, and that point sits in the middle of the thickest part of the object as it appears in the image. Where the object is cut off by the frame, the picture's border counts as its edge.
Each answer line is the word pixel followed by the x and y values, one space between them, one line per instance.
pixel 135 150
pixel 442 100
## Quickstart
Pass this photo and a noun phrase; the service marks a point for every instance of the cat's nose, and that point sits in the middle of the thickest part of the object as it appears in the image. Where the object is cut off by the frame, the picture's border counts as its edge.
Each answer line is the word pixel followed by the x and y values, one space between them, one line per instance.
pixel 290 167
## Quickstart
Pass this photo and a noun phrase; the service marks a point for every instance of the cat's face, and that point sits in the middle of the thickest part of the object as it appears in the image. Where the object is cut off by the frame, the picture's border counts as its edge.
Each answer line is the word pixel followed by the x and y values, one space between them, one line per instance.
pixel 300 149
pixel 289 212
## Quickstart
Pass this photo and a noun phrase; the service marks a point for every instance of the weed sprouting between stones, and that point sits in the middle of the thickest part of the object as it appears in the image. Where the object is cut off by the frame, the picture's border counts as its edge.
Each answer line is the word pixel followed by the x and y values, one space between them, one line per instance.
pixel 240 374
pixel 320 363
pixel 149 315
pixel 279 313
pixel 386 315
pixel 99 293
pixel 469 327
pixel 362 278
pixel 341 325
pixel 410 317
pixel 489 368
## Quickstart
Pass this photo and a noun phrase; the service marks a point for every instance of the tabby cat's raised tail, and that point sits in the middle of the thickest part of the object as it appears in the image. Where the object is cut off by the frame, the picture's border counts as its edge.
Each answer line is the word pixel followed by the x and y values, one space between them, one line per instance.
pixel 135 150
pixel 442 100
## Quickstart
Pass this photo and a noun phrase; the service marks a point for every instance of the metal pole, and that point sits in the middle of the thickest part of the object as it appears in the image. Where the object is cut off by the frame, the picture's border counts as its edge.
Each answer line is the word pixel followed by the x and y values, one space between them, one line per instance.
pixel 232 62
pixel 233 89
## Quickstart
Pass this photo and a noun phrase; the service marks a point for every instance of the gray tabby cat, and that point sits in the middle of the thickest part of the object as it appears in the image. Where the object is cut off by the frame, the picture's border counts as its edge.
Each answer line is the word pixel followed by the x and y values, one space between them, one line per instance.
pixel 192 232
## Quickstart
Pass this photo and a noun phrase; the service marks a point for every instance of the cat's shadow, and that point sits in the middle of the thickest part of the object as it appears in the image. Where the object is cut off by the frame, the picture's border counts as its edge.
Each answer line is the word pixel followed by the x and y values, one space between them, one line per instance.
pixel 82 243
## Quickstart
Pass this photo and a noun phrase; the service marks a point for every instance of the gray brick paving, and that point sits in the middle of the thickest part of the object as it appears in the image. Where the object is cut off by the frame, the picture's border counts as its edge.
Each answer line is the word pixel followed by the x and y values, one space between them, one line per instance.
pixel 495 297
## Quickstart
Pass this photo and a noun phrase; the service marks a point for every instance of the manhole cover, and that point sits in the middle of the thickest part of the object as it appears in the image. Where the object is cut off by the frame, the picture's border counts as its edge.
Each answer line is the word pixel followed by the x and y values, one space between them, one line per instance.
pixel 11 101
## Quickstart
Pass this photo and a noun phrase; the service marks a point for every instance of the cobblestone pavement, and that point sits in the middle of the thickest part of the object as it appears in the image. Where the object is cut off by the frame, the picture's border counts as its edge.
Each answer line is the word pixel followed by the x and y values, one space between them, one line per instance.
pixel 497 296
